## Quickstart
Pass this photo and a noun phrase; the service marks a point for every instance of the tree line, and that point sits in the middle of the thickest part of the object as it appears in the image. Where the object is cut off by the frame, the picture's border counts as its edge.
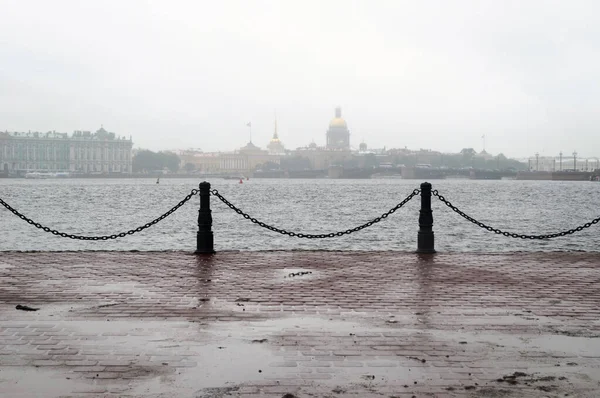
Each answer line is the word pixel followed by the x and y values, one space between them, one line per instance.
pixel 146 161
pixel 466 158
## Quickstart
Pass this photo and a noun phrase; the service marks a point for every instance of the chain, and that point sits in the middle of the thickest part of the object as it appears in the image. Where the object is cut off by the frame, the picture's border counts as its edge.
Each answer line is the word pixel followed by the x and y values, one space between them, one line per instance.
pixel 512 234
pixel 104 237
pixel 316 236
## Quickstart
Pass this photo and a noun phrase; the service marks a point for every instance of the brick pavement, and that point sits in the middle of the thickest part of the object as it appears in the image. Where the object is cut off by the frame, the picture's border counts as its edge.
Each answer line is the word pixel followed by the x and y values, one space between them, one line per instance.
pixel 305 324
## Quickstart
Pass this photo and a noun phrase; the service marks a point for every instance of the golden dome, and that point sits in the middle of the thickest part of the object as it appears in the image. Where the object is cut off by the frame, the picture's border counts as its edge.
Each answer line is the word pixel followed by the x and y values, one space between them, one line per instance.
pixel 338 122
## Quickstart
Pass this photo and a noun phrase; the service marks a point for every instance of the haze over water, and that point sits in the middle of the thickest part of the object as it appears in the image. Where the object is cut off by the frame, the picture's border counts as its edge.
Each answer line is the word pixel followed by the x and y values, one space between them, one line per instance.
pixel 418 74
pixel 178 75
pixel 109 206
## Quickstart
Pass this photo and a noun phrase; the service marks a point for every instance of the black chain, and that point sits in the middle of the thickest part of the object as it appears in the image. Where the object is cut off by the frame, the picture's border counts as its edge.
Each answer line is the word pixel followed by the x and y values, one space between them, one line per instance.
pixel 104 237
pixel 512 234
pixel 316 236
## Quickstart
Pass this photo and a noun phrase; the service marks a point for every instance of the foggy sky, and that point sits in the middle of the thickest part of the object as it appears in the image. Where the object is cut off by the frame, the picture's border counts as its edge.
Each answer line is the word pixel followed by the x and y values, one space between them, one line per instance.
pixel 420 74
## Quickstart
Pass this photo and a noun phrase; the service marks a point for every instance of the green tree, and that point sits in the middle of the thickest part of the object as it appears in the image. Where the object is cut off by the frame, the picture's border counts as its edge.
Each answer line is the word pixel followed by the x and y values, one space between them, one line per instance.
pixel 468 153
pixel 171 161
pixel 149 161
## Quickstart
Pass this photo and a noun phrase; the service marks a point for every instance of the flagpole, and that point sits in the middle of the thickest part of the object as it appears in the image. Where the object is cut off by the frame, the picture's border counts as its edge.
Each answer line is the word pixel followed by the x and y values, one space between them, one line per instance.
pixel 249 125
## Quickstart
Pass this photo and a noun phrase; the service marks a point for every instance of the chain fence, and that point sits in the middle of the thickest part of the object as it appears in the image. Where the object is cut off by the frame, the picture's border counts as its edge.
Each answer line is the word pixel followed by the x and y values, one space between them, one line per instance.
pixel 282 231
pixel 315 236
pixel 512 234
pixel 101 237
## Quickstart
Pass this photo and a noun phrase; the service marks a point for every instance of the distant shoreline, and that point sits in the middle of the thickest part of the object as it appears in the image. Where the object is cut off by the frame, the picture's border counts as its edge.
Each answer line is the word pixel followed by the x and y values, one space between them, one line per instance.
pixel 130 176
pixel 550 176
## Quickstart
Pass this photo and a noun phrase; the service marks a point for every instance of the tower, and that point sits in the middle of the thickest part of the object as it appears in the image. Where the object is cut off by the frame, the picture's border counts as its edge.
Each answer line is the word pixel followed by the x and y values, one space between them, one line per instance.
pixel 275 146
pixel 338 135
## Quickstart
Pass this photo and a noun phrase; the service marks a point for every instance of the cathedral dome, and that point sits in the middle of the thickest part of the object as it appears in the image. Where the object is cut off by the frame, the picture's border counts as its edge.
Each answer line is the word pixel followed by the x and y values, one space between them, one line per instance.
pixel 338 122
pixel 338 135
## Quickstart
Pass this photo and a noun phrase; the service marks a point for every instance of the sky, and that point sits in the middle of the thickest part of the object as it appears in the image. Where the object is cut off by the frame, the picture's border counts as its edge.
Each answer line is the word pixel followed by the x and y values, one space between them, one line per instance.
pixel 419 74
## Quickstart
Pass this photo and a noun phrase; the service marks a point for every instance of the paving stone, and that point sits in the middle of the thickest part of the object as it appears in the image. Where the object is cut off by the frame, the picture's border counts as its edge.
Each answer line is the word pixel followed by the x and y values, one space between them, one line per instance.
pixel 120 320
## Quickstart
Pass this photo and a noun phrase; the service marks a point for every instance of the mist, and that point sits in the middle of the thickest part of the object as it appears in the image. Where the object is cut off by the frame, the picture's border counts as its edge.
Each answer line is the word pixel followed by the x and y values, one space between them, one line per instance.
pixel 431 74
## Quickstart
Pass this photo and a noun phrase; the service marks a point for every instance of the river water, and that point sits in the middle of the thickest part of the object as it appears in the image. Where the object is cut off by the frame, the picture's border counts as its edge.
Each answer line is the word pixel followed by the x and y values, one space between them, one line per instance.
pixel 109 206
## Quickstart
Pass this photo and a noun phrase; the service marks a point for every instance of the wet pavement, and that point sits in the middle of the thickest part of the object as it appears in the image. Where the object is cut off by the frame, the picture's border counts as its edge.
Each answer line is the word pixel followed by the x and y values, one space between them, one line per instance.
pixel 299 324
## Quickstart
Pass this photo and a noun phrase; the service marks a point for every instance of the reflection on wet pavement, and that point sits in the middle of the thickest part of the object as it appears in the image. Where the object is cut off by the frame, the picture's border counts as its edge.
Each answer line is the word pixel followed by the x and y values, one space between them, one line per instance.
pixel 303 324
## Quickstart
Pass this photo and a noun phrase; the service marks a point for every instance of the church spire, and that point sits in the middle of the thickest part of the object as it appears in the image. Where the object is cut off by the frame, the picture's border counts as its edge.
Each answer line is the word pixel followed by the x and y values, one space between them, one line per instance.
pixel 275 136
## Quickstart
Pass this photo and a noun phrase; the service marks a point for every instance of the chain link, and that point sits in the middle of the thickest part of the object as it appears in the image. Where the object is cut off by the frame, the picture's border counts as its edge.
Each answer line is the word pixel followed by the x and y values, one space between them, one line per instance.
pixel 104 237
pixel 512 234
pixel 315 236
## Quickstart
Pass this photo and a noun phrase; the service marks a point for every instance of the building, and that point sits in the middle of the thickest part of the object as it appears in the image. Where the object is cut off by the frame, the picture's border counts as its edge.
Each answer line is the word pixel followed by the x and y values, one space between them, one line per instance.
pixel 202 162
pixel 336 151
pixel 322 158
pixel 561 163
pixel 243 161
pixel 82 152
pixel 275 146
pixel 338 135
pixel 247 159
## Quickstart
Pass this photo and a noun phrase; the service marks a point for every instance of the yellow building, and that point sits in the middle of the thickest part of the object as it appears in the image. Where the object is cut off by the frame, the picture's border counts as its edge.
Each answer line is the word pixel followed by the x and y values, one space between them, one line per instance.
pixel 203 162
pixel 243 161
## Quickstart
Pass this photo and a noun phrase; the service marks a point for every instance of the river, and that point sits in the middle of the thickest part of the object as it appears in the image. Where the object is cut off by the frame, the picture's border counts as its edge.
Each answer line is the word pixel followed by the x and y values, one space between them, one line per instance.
pixel 109 206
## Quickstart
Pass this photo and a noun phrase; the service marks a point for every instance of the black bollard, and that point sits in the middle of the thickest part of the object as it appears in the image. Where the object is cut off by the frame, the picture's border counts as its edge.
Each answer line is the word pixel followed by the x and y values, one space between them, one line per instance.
pixel 425 236
pixel 204 239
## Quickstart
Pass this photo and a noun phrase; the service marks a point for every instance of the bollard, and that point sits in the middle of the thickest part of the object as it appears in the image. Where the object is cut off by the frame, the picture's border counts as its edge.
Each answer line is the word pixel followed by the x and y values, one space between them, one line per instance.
pixel 204 239
pixel 425 236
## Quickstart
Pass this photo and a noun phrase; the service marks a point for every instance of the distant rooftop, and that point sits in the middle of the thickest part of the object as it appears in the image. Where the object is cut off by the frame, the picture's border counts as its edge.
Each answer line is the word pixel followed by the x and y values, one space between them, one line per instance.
pixel 100 134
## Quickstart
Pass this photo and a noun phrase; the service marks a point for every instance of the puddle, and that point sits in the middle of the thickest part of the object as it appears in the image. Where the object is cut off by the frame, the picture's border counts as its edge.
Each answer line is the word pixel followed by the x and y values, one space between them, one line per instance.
pixel 193 359
pixel 23 382
pixel 247 352
pixel 572 345
pixel 144 336
pixel 548 343
pixel 231 363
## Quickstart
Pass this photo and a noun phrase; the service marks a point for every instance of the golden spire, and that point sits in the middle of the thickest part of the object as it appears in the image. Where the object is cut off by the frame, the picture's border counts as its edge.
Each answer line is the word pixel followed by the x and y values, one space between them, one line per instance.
pixel 275 136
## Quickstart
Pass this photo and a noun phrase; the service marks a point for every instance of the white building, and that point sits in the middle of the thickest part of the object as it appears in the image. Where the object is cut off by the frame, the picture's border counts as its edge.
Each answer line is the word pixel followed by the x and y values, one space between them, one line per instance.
pixel 558 163
pixel 83 152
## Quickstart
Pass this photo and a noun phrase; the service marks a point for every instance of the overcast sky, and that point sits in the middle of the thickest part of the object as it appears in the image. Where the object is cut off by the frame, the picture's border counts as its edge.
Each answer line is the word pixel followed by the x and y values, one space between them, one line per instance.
pixel 420 74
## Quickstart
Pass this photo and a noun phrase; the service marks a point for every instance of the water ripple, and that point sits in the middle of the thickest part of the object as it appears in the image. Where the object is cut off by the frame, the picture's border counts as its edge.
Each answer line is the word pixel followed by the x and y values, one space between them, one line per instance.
pixel 107 206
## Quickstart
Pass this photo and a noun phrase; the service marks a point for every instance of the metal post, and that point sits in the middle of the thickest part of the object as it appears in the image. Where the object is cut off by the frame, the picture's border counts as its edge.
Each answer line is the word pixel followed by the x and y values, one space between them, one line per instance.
pixel 425 242
pixel 204 239
pixel 560 161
